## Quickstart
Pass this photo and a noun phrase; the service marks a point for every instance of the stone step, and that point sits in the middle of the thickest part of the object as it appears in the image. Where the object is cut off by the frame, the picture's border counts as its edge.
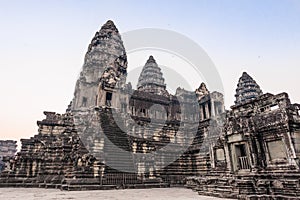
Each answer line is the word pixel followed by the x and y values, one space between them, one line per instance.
pixel 87 187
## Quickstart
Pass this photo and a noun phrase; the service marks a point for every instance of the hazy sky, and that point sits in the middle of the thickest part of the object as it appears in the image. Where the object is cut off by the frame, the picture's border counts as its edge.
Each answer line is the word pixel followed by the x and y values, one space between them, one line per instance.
pixel 42 46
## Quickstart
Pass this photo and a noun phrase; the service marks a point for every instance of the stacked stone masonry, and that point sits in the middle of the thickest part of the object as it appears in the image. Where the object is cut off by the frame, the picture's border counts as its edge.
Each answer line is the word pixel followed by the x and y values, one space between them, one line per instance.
pixel 113 136
pixel 257 153
pixel 8 149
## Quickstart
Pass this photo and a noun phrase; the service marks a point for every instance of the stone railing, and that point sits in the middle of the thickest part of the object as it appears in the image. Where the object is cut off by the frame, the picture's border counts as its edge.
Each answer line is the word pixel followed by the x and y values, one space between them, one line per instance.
pixel 244 162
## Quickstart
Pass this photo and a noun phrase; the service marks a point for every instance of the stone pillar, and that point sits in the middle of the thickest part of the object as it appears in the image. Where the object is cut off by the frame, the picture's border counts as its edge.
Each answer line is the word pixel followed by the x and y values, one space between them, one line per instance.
pixel 213 113
pixel 28 168
pixel 223 107
pixel 207 111
pixel 201 112
pixel 227 157
pixel 115 101
pixel 212 156
pixel 101 98
pixel 33 168
pixel 252 155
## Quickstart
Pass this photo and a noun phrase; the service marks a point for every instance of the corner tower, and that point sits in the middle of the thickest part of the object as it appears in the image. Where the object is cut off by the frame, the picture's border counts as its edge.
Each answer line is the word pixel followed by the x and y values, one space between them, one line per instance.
pixel 247 89
pixel 151 78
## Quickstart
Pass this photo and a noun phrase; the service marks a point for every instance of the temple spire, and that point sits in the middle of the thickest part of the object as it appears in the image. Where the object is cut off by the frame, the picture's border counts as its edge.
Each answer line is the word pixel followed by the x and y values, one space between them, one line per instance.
pixel 247 89
pixel 106 51
pixel 109 26
pixel 106 32
pixel 151 78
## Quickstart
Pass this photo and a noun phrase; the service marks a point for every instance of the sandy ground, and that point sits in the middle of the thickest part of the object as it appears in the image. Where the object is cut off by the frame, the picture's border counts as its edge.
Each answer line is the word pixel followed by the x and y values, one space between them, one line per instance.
pixel 130 194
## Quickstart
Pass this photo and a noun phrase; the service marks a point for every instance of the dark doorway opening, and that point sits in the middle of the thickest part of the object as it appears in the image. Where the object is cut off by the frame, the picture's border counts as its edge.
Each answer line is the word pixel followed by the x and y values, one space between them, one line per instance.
pixel 108 98
pixel 243 162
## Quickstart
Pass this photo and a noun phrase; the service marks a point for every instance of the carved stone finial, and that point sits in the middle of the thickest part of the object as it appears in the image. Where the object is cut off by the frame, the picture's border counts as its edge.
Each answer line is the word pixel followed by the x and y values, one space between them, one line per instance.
pixel 202 91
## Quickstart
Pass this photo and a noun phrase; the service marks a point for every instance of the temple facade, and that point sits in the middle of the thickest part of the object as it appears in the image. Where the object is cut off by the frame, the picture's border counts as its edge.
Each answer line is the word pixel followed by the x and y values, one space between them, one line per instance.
pixel 113 136
pixel 257 153
pixel 8 149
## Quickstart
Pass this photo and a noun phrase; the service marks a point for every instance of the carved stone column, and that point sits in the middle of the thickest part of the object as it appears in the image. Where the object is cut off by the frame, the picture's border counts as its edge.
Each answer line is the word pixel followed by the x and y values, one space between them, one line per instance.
pixel 201 112
pixel 213 113
pixel 207 111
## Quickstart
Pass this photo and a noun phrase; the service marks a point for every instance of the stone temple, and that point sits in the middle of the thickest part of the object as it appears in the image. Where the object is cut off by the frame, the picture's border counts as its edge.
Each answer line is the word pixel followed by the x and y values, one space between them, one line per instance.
pixel 112 136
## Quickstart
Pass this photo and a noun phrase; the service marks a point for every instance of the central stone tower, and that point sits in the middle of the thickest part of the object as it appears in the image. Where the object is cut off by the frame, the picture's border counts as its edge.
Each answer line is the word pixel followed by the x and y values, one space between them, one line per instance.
pixel 104 61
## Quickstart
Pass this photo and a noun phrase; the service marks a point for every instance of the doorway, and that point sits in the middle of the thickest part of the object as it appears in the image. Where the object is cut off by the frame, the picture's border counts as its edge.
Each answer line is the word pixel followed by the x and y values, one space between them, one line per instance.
pixel 108 99
pixel 242 158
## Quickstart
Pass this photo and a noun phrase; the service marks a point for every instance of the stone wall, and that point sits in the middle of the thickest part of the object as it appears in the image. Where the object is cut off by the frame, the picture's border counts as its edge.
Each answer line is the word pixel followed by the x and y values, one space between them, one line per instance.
pixel 52 158
pixel 8 149
pixel 256 155
pixel 112 136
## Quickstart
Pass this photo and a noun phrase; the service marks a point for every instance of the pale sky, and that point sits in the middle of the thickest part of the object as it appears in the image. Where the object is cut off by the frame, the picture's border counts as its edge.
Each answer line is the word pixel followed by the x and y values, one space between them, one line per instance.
pixel 43 43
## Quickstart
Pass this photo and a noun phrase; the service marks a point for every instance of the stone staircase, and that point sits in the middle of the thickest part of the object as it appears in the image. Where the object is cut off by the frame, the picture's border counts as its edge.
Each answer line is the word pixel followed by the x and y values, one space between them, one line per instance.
pixel 121 169
pixel 117 149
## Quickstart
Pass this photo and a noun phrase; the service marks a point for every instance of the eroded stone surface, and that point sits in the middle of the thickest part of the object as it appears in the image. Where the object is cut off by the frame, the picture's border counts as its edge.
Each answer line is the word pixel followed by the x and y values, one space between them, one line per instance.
pixel 247 89
pixel 8 148
pixel 257 153
pixel 112 136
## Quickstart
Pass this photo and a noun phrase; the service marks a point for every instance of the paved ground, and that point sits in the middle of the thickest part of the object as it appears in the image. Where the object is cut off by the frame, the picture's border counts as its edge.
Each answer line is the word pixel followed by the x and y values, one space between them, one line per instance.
pixel 130 194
